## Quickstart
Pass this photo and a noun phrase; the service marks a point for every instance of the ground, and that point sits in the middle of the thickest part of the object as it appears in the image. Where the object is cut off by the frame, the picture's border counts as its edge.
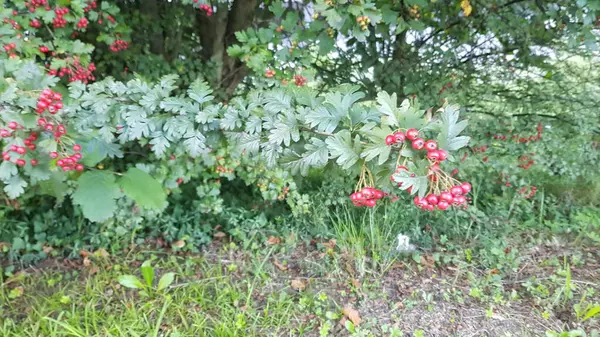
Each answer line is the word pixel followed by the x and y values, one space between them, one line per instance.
pixel 293 288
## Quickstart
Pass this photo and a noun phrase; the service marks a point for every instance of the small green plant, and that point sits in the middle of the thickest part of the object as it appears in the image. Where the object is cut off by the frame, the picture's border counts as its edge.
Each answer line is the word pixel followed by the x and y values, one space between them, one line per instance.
pixel 148 273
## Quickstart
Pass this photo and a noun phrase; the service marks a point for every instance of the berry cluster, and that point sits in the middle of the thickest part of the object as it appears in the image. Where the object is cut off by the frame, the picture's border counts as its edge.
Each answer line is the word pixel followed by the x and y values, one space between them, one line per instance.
pixel 270 73
pixel 525 194
pixel 49 101
pixel 10 46
pixel 299 80
pixel 35 23
pixel 21 150
pixel 14 24
pixel 91 5
pixel 433 153
pixel 363 21
pixel 82 23
pixel 526 162
pixel 69 163
pixel 367 196
pixel 34 4
pixel 59 21
pixel 78 73
pixel 207 8
pixel 442 201
pixel 119 45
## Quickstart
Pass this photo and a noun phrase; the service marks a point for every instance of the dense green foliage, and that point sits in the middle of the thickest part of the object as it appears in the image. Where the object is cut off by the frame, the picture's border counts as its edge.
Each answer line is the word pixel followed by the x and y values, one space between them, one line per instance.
pixel 265 114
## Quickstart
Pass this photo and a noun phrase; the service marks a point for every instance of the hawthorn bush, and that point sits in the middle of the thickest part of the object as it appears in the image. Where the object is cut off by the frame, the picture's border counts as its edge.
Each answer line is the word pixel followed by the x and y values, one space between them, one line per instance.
pixel 122 110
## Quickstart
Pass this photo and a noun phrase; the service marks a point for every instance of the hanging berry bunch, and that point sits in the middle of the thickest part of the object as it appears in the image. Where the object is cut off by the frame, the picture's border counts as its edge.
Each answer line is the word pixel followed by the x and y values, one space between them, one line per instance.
pixel 365 194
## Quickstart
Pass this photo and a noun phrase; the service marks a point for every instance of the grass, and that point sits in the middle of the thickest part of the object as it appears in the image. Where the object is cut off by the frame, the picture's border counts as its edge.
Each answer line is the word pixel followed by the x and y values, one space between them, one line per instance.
pixel 503 285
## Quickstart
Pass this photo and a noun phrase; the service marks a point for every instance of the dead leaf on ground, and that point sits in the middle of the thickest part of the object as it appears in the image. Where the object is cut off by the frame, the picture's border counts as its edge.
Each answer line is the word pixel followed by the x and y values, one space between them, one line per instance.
pixel 331 244
pixel 298 284
pixel 273 241
pixel 356 283
pixel 352 314
pixel 178 244
pixel 86 261
pixel 84 253
pixel 219 235
pixel 279 265
pixel 428 261
pixel 101 252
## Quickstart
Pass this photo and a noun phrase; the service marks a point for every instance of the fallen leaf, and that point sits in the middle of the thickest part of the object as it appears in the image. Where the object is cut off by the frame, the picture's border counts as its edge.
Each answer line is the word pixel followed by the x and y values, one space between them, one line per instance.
pixel 84 253
pixel 86 261
pixel 355 283
pixel 178 244
pixel 352 314
pixel 279 265
pixel 427 260
pixel 331 244
pixel 219 235
pixel 273 241
pixel 101 252
pixel 298 284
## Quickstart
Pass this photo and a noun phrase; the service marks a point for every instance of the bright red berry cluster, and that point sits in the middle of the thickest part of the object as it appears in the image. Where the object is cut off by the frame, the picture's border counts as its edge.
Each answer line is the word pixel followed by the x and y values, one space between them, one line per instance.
pixel 10 46
pixel 82 23
pixel 20 150
pixel 77 73
pixel 35 23
pixel 91 5
pixel 442 201
pixel 526 162
pixel 206 8
pixel 119 45
pixel 367 196
pixel 433 153
pixel 59 21
pixel 34 4
pixel 49 101
pixel 299 80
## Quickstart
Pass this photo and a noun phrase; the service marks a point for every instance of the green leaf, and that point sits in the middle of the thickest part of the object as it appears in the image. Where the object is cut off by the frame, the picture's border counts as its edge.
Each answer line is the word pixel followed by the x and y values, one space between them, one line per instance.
pixel 342 148
pixel 96 195
pixel 130 281
pixel 195 145
pixel 165 281
pixel 419 184
pixel 15 186
pixel 592 312
pixel 7 170
pixel 55 186
pixel 316 155
pixel 147 273
pixel 448 138
pixel 143 189
pixel 387 106
pixel 380 150
pixel 285 130
pixel 200 92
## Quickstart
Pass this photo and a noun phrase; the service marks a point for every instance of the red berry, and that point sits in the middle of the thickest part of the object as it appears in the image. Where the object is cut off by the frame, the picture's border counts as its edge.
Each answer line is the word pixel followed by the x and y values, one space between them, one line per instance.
pixel 378 194
pixel 370 203
pixel 4 133
pixel 79 167
pixel 42 122
pixel 53 155
pixel 76 147
pixel 31 147
pixel 389 140
pixel 418 144
pixel 21 150
pixel 58 105
pixel 42 105
pixel 442 154
pixel 57 96
pixel 412 134
pixel 459 200
pixel 456 191
pixel 6 156
pixel 433 155
pixel 60 162
pixel 368 192
pixel 49 127
pixel 431 145
pixel 14 148
pixel 446 196
pixel 33 162
pixel 21 162
pixel 429 207
pixel 13 125
pixel 466 188
pixel 443 205
pixel 77 156
pixel 66 168
pixel 432 199
pixel 399 137
pixel 353 197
